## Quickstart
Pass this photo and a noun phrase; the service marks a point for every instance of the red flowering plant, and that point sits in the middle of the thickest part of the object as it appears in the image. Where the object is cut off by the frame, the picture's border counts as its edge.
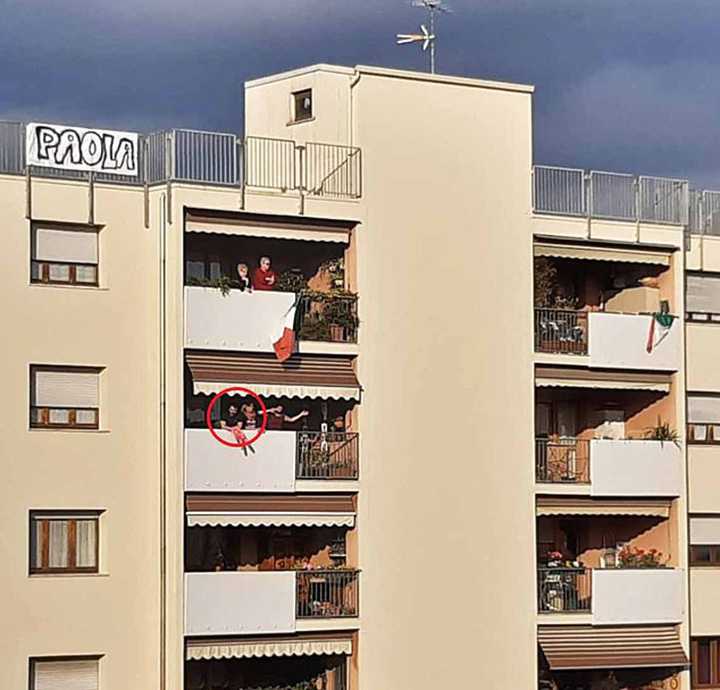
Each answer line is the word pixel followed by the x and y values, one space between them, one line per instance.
pixel 554 559
pixel 633 557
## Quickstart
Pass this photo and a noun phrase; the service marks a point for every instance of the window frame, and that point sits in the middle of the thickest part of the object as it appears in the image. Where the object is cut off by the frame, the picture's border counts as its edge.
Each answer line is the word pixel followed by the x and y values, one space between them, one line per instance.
pixel 34 660
pixel 297 97
pixel 714 654
pixel 44 266
pixel 45 410
pixel 72 518
pixel 714 554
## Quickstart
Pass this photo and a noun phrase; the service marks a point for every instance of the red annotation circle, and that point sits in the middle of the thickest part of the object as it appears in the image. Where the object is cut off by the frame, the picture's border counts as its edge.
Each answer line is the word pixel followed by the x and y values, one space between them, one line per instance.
pixel 261 430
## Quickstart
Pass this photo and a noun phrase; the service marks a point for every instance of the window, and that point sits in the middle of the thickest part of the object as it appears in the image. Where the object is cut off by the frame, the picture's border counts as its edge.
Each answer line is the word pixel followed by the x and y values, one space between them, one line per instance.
pixel 201 268
pixel 64 255
pixel 64 543
pixel 303 105
pixel 64 397
pixel 706 554
pixel 705 662
pixel 703 418
pixel 64 674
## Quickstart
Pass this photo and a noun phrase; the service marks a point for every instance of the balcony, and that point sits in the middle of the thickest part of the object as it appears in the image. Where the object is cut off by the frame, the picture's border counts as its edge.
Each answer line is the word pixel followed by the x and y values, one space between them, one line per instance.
pixel 252 602
pixel 281 460
pixel 248 321
pixel 611 467
pixel 330 171
pixel 608 340
pixel 613 596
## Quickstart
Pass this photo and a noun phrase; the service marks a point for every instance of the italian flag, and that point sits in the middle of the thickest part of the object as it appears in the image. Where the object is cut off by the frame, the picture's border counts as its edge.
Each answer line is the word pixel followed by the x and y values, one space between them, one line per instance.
pixel 660 325
pixel 283 337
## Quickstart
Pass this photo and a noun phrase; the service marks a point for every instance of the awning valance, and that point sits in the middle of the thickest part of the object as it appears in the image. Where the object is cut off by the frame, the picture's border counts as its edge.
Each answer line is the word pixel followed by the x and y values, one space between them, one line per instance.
pixel 306 376
pixel 278 646
pixel 267 519
pixel 576 377
pixel 271 510
pixel 599 253
pixel 584 647
pixel 584 505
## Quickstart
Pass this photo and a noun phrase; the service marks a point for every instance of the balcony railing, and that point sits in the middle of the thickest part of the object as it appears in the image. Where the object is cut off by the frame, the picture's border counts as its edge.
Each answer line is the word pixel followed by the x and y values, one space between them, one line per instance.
pixel 564 590
pixel 332 455
pixel 561 331
pixel 327 593
pixel 562 460
pixel 327 317
pixel 216 158
pixel 611 196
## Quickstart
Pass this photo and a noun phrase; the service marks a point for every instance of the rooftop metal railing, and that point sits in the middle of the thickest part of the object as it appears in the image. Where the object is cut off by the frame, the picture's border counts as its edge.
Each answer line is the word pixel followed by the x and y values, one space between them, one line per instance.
pixel 611 196
pixel 215 158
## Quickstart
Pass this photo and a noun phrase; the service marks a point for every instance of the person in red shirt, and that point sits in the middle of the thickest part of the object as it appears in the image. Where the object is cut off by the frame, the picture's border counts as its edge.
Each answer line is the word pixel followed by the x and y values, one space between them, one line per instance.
pixel 264 278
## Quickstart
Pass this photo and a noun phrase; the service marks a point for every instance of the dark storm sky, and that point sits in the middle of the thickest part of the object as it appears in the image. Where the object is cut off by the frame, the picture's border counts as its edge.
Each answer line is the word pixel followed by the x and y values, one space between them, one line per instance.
pixel 626 85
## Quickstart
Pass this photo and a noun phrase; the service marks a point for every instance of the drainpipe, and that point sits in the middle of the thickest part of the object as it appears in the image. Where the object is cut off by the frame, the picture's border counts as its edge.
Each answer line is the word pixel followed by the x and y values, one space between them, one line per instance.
pixel 163 451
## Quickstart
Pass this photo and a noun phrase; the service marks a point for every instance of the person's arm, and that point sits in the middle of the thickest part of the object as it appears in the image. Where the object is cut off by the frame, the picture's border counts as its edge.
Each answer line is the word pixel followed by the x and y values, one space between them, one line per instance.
pixel 271 278
pixel 223 424
pixel 300 415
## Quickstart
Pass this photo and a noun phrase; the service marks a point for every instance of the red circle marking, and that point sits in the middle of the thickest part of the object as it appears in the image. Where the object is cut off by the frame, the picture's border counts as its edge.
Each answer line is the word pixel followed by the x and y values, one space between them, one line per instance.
pixel 262 426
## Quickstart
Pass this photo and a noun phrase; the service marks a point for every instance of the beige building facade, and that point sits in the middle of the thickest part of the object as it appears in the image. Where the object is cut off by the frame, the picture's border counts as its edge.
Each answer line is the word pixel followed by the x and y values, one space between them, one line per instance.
pixel 488 458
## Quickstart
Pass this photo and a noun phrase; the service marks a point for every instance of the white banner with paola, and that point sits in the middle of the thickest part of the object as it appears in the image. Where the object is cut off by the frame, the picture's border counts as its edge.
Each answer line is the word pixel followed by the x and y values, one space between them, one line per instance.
pixel 79 148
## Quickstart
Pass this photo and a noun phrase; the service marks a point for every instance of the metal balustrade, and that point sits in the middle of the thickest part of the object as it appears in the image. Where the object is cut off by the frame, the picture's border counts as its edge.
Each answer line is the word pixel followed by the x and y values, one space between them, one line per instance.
pixel 333 455
pixel 327 593
pixel 561 331
pixel 564 590
pixel 215 158
pixel 328 317
pixel 562 460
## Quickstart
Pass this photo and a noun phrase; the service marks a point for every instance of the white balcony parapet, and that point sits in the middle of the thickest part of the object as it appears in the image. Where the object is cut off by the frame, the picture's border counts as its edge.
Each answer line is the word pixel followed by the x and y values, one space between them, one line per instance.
pixel 620 341
pixel 641 596
pixel 268 465
pixel 232 603
pixel 635 468
pixel 236 321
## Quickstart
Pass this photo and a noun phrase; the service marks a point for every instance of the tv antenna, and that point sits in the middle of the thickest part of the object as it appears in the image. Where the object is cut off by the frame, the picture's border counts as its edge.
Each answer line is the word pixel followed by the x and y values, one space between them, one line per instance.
pixel 427 37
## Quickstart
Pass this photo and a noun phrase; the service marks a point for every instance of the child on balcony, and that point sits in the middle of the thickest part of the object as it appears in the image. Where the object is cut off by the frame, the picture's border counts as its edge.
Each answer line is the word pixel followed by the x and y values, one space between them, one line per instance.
pixel 243 280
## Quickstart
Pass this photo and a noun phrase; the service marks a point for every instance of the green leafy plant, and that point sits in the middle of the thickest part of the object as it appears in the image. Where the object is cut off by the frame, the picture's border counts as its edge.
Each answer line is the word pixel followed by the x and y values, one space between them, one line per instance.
pixel 222 283
pixel 545 281
pixel 662 431
pixel 291 280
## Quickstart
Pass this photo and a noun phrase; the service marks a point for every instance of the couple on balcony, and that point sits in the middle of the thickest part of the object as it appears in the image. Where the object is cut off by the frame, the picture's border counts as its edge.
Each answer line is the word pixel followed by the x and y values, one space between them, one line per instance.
pixel 263 277
pixel 237 421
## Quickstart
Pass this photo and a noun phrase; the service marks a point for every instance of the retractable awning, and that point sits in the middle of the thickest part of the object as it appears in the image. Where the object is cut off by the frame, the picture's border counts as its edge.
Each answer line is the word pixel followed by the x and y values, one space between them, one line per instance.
pixel 306 376
pixel 598 253
pixel 576 377
pixel 575 647
pixel 584 505
pixel 270 510
pixel 270 226
pixel 251 647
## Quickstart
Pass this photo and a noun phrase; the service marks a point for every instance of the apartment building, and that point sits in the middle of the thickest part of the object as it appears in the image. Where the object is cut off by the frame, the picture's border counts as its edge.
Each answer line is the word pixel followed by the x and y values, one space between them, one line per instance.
pixel 488 459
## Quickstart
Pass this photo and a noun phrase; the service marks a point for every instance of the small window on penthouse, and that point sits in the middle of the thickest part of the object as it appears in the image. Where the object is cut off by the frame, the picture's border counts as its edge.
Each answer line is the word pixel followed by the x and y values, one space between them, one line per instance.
pixel 64 397
pixel 64 255
pixel 303 104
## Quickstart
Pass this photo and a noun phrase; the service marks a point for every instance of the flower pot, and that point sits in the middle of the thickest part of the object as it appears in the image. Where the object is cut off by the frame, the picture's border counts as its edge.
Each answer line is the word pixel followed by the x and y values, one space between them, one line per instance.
pixel 336 333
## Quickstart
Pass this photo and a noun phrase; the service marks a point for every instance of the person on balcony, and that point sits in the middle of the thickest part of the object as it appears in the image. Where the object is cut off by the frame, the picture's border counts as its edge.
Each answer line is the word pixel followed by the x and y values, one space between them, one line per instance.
pixel 277 418
pixel 243 282
pixel 233 422
pixel 264 278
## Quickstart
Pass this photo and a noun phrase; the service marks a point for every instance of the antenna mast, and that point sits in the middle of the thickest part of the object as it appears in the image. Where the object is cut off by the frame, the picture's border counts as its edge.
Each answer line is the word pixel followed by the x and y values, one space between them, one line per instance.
pixel 427 37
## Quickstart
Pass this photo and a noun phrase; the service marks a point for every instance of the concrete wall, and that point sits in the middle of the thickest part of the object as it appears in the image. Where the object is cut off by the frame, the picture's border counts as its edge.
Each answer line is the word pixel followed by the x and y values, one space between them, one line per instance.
pixel 116 469
pixel 705 601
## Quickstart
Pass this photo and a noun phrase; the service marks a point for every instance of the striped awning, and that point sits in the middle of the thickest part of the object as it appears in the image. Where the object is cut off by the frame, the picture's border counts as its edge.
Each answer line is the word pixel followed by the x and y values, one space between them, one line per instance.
pixel 584 505
pixel 271 510
pixel 576 377
pixel 602 253
pixel 301 376
pixel 248 648
pixel 593 647
pixel 269 226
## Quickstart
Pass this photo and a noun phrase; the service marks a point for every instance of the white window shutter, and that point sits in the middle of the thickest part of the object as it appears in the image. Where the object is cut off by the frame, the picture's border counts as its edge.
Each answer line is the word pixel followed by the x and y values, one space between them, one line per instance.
pixel 703 409
pixel 72 246
pixel 58 388
pixel 71 674
pixel 703 293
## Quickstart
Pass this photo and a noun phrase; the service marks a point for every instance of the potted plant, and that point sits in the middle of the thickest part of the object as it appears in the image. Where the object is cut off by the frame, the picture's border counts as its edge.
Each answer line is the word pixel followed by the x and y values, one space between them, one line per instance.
pixel 662 431
pixel 630 557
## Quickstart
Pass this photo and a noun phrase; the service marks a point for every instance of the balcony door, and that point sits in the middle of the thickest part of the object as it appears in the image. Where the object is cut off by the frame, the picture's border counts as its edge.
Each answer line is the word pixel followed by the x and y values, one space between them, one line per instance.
pixel 557 419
